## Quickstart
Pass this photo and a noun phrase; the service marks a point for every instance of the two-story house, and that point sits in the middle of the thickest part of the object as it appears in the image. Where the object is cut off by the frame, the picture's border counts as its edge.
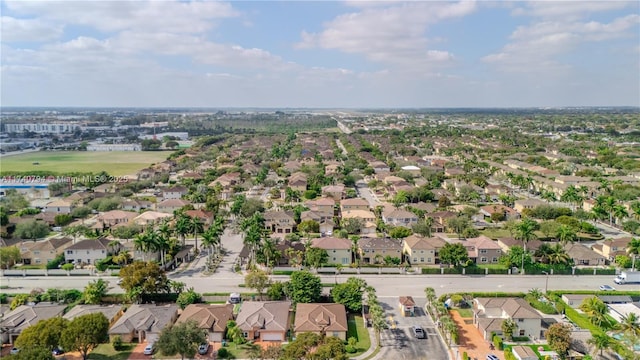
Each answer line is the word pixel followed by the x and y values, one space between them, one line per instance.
pixel 611 248
pixel 505 212
pixel 482 250
pixel 60 206
pixel 335 192
pixel 323 205
pixel 41 252
pixel 489 313
pixel 113 218
pixel 521 205
pixel 298 181
pixel 176 192
pixel 419 250
pixel 399 217
pixel 374 250
pixel 280 223
pixel 367 218
pixel 90 251
pixel 353 204
pixel 339 250
pixel 171 205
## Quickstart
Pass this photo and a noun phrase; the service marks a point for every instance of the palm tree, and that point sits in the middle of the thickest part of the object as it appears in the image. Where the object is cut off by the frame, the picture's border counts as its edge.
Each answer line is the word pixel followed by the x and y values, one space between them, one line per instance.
pixel 566 234
pixel 635 207
pixel 601 341
pixel 571 195
pixel 525 231
pixel 182 226
pixel 141 243
pixel 508 327
pixel 596 310
pixel 123 258
pixel 630 324
pixel 633 249
pixel 543 252
pixel 430 294
pixel 234 333
pixel 619 212
pixel 558 255
pixel 196 226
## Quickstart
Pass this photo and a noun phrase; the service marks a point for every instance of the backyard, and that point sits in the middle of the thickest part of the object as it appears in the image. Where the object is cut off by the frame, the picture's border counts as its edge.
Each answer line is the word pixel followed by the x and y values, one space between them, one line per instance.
pixel 359 331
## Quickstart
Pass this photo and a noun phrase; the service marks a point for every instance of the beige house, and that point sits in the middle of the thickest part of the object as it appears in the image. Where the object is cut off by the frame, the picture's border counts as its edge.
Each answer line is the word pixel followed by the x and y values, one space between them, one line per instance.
pixel 150 218
pixel 419 250
pixel 41 252
pixel 339 250
pixel 111 312
pixel 143 322
pixel 90 251
pixel 211 318
pixel 323 205
pixel 335 192
pixel 582 255
pixel 611 248
pixel 226 180
pixel 298 182
pixel 368 220
pixel 374 250
pixel 112 218
pixel 489 313
pixel 170 205
pixel 399 217
pixel 520 205
pixel 23 316
pixel 354 204
pixel 481 250
pixel 59 207
pixel 321 319
pixel 279 223
pixel 264 320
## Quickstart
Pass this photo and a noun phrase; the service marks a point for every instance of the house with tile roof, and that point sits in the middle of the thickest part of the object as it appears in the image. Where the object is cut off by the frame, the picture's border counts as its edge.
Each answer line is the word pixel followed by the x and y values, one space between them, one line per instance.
pixel 335 192
pixel 60 206
pixel 321 319
pixel 20 318
pixel 143 322
pixel 399 217
pixel 481 250
pixel 90 251
pixel 150 218
pixel 279 222
pixel 583 256
pixel 354 204
pixel 610 248
pixel 41 252
pixel 264 320
pixel 489 313
pixel 113 218
pixel 111 311
pixel 211 318
pixel 374 250
pixel 170 205
pixel 419 250
pixel 339 250
pixel 323 205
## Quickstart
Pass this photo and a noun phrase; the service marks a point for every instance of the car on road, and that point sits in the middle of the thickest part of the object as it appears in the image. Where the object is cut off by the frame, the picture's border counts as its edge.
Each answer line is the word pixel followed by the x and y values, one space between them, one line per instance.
pixel 607 288
pixel 419 333
pixel 203 348
pixel 492 357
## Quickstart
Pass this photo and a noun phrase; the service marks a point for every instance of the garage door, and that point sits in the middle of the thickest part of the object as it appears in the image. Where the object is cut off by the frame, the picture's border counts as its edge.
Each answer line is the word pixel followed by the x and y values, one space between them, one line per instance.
pixel 215 336
pixel 271 336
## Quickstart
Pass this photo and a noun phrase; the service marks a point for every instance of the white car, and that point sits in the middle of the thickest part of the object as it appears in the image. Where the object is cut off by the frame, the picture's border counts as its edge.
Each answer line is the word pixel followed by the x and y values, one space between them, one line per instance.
pixel 149 349
pixel 607 288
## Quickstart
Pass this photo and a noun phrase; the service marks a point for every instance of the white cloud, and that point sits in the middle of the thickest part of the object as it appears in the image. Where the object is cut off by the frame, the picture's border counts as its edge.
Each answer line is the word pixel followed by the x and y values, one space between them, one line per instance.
pixel 570 9
pixel 389 34
pixel 29 30
pixel 113 16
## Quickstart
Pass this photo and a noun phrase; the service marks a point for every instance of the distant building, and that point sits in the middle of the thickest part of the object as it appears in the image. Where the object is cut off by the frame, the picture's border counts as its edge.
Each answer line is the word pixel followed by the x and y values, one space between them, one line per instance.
pixel 114 147
pixel 42 128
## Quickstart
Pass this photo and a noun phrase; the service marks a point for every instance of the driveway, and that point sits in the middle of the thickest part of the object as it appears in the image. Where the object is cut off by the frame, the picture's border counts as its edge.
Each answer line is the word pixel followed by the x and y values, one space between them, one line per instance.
pixel 471 340
pixel 398 342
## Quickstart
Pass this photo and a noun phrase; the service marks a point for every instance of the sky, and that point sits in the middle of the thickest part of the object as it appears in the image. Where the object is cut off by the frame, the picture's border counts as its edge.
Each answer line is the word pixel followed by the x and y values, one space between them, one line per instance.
pixel 320 54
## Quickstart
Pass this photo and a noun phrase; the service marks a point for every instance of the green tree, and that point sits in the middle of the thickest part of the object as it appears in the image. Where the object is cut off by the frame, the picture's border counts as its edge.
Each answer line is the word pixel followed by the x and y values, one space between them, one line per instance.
pixel 633 249
pixel 31 229
pixel 352 225
pixel 302 346
pixel 258 280
pixel 630 325
pixel 399 232
pixel 63 219
pixel 458 224
pixel 181 338
pixel 558 337
pixel 187 298
pixel 349 294
pixel 315 257
pixel 143 278
pixel 33 353
pixel 95 291
pixel 454 254
pixel 423 227
pixel 558 255
pixel 309 226
pixel 45 334
pixel 601 341
pixel 525 232
pixel 234 333
pixel 596 310
pixel 515 257
pixel 9 255
pixel 84 333
pixel 566 234
pixel 304 287
pixel 508 327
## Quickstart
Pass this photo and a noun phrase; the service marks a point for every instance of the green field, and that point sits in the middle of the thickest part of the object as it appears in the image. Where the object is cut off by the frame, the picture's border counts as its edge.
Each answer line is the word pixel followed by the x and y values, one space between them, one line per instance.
pixel 115 163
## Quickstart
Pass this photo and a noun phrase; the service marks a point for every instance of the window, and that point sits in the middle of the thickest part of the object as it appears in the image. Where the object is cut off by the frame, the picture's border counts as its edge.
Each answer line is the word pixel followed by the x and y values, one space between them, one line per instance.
pixel 87 252
pixel 484 251
pixel 334 259
pixel 421 259
pixel 69 252
pixel 494 259
pixel 520 320
pixel 415 260
pixel 521 332
pixel 244 334
pixel 483 259
pixel 38 261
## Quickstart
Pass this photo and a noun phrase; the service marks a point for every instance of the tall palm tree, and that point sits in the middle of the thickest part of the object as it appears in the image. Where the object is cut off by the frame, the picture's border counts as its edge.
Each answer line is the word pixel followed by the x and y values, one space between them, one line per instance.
pixel 601 341
pixel 558 255
pixel 123 258
pixel 196 226
pixel 596 310
pixel 430 294
pixel 234 333
pixel 633 249
pixel 572 196
pixel 630 324
pixel 182 226
pixel 619 212
pixel 141 243
pixel 566 234
pixel 635 208
pixel 525 232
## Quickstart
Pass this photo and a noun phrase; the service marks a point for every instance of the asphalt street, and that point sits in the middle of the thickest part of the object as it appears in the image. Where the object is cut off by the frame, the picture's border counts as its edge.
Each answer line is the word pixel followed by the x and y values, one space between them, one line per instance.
pixel 385 285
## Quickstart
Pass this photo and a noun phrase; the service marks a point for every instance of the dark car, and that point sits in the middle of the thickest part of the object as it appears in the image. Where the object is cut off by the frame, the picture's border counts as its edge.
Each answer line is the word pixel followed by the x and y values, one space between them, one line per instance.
pixel 57 351
pixel 419 332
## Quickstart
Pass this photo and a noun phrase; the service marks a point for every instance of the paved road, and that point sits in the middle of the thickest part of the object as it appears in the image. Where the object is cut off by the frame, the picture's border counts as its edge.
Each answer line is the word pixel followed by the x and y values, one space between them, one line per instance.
pixel 399 342
pixel 386 285
pixel 364 192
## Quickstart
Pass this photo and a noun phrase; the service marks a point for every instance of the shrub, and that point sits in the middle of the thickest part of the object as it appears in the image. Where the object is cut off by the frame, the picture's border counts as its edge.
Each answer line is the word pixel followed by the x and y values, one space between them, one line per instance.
pixel 465 356
pixel 223 353
pixel 497 341
pixel 117 343
pixel 350 349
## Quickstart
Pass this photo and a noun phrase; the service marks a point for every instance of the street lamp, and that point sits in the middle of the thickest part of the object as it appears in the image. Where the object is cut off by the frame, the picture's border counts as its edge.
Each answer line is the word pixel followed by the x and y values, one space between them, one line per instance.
pixel 546 282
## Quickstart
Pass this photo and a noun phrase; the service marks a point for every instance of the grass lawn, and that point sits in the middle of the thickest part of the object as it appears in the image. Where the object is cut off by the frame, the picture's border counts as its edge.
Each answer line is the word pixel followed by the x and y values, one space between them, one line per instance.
pixel 495 233
pixel 115 163
pixel 492 266
pixel 465 313
pixel 106 352
pixel 357 330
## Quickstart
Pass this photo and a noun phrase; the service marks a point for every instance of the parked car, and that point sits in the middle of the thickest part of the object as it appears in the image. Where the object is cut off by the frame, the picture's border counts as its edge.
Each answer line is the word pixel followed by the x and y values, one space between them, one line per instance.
pixel 57 351
pixel 492 357
pixel 149 349
pixel 203 348
pixel 607 288
pixel 14 351
pixel 419 332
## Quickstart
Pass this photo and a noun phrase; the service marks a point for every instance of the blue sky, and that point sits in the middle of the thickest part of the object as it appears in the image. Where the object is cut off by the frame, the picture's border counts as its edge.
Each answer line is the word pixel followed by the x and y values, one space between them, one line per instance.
pixel 326 54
